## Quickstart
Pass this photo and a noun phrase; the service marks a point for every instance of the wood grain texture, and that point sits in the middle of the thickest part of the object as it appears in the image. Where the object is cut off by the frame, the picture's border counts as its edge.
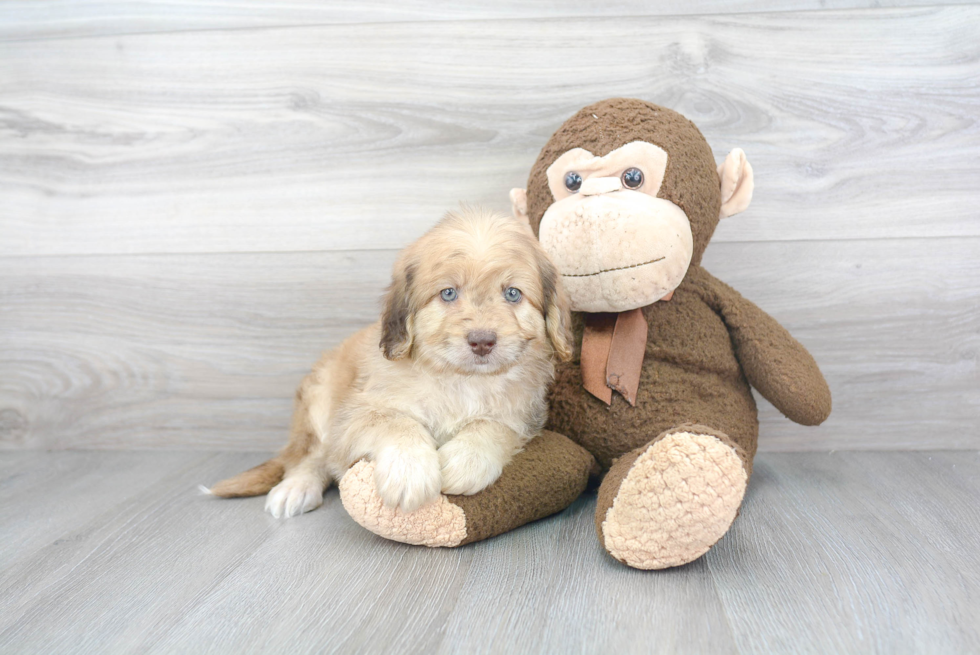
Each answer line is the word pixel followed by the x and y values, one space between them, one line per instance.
pixel 62 492
pixel 146 555
pixel 894 326
pixel 205 351
pixel 832 520
pixel 860 124
pixel 850 552
pixel 53 534
pixel 566 595
pixel 183 348
pixel 71 19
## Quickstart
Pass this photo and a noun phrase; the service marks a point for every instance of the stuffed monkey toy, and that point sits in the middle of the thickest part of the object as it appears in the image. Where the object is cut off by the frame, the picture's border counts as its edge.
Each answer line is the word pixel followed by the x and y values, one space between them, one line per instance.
pixel 625 197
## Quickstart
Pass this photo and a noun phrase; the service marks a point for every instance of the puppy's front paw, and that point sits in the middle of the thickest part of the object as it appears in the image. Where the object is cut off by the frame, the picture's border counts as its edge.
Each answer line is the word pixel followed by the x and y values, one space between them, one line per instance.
pixel 294 495
pixel 465 469
pixel 407 478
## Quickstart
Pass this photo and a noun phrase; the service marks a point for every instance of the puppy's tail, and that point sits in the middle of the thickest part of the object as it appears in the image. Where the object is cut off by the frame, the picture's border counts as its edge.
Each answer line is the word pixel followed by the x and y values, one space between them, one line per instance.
pixel 253 482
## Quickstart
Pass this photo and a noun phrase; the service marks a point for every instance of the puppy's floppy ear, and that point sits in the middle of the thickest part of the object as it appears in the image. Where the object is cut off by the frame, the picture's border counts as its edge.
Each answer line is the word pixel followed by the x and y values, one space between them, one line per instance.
pixel 396 318
pixel 557 315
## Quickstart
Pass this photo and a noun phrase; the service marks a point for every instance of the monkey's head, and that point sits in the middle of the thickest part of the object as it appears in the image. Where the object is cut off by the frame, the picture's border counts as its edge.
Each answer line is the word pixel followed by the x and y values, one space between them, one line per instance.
pixel 624 197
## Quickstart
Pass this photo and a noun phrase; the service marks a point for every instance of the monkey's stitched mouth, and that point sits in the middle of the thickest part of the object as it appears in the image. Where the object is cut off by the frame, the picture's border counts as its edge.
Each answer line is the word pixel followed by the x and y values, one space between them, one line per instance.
pixel 610 270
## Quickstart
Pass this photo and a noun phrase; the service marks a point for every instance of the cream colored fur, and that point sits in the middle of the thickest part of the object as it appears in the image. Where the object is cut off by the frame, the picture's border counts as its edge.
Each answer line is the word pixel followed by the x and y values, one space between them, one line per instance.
pixel 678 499
pixel 412 395
pixel 737 183
pixel 439 523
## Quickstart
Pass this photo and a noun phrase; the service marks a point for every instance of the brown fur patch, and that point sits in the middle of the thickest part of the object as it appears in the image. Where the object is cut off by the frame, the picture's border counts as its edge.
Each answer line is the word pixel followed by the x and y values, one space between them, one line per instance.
pixel 253 482
pixel 395 332
pixel 556 308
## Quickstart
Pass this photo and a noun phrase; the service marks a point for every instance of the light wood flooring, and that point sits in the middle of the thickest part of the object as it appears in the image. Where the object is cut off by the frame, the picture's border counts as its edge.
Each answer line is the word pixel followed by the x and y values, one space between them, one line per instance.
pixel 846 552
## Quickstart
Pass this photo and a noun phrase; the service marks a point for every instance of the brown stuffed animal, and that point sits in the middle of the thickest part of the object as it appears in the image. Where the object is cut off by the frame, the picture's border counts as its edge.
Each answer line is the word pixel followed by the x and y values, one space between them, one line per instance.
pixel 625 197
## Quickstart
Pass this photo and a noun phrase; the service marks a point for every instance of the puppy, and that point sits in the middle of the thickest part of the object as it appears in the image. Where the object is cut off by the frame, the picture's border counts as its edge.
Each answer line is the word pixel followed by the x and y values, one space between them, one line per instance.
pixel 445 389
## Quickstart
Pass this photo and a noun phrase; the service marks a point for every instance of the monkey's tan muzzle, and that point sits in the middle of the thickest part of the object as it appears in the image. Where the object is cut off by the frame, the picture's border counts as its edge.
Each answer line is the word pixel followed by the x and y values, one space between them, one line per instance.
pixel 616 249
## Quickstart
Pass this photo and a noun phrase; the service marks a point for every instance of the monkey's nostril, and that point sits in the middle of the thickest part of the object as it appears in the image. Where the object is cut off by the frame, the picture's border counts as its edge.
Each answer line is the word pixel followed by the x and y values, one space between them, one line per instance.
pixel 482 341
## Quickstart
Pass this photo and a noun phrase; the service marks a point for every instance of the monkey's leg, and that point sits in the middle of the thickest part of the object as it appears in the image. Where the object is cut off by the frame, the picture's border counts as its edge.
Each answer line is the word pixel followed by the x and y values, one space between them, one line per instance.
pixel 545 478
pixel 669 501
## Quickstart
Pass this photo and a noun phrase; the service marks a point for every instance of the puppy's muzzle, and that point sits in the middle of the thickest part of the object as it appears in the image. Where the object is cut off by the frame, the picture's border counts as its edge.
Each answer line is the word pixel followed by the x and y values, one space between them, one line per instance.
pixel 482 341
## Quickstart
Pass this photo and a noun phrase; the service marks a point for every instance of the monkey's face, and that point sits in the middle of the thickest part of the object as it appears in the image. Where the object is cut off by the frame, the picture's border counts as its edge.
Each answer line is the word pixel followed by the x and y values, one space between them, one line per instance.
pixel 616 244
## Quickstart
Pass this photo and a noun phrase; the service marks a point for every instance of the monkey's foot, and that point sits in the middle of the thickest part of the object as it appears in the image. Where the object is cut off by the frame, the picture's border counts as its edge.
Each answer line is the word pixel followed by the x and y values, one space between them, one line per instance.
pixel 440 523
pixel 667 503
pixel 546 477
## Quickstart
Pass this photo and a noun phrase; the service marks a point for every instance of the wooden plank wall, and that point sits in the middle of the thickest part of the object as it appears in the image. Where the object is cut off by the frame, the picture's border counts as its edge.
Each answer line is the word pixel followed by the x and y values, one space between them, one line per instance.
pixel 198 197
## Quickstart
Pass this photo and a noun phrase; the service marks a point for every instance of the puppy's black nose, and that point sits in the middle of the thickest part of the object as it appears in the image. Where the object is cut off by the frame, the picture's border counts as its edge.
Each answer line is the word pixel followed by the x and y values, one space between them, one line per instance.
pixel 482 341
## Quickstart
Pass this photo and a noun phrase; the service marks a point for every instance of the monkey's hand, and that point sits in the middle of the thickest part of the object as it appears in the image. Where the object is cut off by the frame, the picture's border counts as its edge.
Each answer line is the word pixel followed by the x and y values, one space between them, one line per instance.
pixel 774 362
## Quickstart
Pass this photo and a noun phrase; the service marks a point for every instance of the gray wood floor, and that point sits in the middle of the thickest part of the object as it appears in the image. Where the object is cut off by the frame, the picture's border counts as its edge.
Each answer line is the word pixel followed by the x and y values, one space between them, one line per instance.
pixel 116 552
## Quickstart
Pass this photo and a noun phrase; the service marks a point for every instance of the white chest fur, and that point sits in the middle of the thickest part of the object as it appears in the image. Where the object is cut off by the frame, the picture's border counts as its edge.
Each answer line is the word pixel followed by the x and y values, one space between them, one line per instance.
pixel 446 404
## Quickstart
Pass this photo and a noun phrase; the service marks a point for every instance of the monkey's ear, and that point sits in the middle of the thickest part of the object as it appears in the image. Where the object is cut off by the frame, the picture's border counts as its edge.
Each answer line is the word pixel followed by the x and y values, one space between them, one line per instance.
pixel 557 309
pixel 737 183
pixel 518 204
pixel 396 318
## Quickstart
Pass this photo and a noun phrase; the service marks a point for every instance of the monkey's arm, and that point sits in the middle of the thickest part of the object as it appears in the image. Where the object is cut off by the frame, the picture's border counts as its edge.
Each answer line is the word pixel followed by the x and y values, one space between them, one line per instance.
pixel 774 362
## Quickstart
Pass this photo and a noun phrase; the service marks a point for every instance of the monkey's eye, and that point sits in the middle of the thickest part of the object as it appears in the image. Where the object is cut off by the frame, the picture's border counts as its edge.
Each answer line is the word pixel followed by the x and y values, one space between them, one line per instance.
pixel 512 295
pixel 573 181
pixel 633 178
pixel 448 295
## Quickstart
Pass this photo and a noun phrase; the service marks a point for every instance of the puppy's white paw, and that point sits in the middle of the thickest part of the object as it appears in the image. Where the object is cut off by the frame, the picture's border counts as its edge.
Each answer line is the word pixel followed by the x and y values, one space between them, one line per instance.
pixel 294 495
pixel 465 469
pixel 407 478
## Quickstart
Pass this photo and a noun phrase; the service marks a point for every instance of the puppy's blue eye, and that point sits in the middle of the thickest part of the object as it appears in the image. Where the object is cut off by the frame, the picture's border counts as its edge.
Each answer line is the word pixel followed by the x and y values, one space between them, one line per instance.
pixel 449 294
pixel 512 295
pixel 573 181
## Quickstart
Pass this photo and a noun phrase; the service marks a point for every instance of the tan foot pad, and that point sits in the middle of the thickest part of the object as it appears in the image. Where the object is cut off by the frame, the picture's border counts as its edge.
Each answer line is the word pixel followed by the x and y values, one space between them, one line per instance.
pixel 678 499
pixel 440 523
